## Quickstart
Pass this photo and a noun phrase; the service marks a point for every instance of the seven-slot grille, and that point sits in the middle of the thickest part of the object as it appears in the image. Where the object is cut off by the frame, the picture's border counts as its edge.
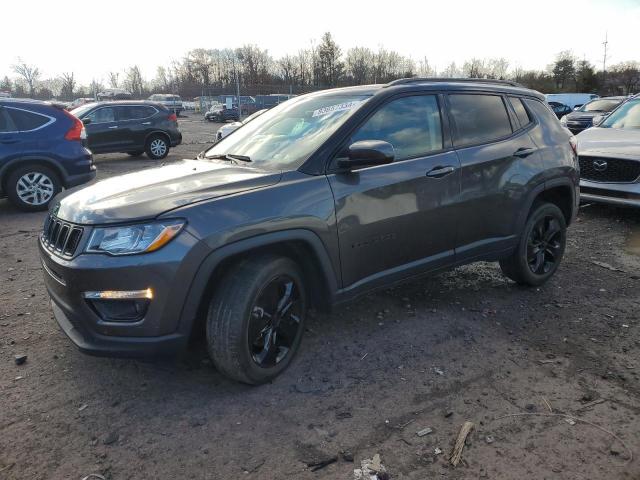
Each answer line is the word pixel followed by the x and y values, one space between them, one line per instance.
pixel 600 169
pixel 61 237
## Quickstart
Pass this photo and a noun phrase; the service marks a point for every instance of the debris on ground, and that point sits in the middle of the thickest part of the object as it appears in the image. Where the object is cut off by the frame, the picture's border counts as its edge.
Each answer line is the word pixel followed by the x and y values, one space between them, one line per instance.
pixel 20 359
pixel 424 431
pixel 371 469
pixel 489 439
pixel 111 438
pixel 465 430
pixel 437 451
pixel 607 266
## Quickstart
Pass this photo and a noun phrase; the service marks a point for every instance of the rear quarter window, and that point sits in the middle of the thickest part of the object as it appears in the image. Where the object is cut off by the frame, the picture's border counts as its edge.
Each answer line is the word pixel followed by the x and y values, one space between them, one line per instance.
pixel 25 120
pixel 479 118
pixel 6 125
pixel 521 112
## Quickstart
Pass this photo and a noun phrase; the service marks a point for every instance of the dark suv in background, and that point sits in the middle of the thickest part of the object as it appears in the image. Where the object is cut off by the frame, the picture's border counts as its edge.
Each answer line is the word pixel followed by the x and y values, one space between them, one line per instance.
pixel 41 152
pixel 130 127
pixel 582 118
pixel 319 200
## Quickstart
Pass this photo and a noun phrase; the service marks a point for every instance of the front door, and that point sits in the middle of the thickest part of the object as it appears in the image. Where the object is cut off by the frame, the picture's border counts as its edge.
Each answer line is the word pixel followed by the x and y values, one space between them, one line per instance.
pixel 103 130
pixel 396 217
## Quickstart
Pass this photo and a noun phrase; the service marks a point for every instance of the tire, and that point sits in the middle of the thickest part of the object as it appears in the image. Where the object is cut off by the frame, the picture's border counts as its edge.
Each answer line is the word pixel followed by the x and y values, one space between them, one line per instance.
pixel 157 147
pixel 136 154
pixel 540 248
pixel 241 316
pixel 32 187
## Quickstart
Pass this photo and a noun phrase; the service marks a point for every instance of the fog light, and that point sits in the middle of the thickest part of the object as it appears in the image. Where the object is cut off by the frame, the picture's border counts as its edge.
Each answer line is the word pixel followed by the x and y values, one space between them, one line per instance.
pixel 120 294
pixel 120 305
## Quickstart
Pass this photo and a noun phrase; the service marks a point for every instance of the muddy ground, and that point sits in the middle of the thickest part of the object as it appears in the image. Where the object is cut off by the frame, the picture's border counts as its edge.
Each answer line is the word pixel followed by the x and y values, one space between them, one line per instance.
pixel 464 345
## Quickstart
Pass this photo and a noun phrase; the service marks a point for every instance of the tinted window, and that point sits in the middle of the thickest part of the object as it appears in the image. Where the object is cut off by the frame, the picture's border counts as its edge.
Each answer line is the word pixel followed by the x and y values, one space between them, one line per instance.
pixel 132 112
pixel 411 124
pixel 25 121
pixel 6 125
pixel 521 112
pixel 479 118
pixel 102 115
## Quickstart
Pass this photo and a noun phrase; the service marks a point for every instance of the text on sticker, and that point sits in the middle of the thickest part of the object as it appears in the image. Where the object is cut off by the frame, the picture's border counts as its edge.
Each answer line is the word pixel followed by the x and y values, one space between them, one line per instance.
pixel 335 108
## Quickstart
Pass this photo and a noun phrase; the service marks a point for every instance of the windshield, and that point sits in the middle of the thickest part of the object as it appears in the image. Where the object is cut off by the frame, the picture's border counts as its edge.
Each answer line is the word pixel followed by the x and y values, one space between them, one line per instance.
pixel 285 136
pixel 78 112
pixel 600 106
pixel 626 116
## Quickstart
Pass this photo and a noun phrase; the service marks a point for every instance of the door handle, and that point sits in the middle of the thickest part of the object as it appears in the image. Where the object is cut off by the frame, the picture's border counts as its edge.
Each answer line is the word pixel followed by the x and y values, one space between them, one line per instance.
pixel 115 126
pixel 438 172
pixel 523 152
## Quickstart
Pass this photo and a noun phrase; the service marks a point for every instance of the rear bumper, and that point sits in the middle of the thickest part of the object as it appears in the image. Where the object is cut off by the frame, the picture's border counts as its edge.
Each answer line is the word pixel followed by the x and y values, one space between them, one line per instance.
pixel 176 139
pixel 75 180
pixel 621 194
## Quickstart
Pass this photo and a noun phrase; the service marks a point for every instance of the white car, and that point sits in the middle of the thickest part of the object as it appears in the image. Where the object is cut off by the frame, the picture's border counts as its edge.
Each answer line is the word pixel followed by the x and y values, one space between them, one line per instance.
pixel 609 155
pixel 228 128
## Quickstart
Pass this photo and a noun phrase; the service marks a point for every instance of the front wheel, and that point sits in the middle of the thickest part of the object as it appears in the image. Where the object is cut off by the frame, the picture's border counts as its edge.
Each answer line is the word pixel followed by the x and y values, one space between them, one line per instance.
pixel 256 319
pixel 540 249
pixel 31 188
pixel 157 147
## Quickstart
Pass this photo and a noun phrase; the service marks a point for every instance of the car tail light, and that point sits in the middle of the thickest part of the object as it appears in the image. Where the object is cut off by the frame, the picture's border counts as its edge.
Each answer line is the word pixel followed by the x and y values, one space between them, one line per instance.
pixel 173 117
pixel 574 144
pixel 77 131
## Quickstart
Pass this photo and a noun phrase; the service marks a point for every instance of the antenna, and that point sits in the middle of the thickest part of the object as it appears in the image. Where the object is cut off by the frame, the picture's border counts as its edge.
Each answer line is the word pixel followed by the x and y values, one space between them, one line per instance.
pixel 604 59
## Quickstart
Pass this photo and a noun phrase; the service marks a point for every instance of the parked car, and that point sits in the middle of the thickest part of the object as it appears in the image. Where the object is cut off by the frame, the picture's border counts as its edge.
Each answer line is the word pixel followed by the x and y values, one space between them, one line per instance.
pixel 573 100
pixel 316 201
pixel 171 102
pixel 4 94
pixel 582 118
pixel 111 94
pixel 560 109
pixel 609 156
pixel 133 127
pixel 41 152
pixel 220 114
pixel 228 128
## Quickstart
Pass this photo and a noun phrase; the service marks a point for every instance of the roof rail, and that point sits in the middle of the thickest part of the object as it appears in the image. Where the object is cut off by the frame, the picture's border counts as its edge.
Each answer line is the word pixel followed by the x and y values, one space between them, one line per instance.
pixel 403 81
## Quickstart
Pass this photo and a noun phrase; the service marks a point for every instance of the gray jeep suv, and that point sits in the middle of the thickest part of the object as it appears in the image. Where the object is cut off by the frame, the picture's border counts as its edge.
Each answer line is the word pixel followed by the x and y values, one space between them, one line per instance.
pixel 320 199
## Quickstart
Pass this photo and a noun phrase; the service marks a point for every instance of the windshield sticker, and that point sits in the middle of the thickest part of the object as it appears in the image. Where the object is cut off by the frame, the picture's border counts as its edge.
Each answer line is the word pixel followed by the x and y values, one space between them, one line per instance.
pixel 336 108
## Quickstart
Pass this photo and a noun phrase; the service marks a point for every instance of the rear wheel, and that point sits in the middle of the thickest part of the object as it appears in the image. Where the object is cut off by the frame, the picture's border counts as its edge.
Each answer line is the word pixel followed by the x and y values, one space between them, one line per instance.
pixel 540 249
pixel 32 187
pixel 157 147
pixel 256 319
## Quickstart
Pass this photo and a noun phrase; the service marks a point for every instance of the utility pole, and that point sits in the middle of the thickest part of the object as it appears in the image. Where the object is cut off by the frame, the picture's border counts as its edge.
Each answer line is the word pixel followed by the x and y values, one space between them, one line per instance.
pixel 604 59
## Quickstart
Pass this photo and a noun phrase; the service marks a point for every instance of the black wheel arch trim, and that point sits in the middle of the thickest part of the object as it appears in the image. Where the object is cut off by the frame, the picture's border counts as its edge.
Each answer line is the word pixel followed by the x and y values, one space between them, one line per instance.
pixel 213 260
pixel 158 132
pixel 542 187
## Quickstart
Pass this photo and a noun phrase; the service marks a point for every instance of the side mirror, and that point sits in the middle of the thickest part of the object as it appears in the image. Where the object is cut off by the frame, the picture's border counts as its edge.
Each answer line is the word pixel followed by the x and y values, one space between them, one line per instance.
pixel 367 153
pixel 86 121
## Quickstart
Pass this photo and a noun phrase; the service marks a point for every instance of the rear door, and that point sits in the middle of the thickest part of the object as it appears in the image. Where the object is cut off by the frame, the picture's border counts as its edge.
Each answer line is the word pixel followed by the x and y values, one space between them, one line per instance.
pixel 103 130
pixel 498 160
pixel 398 217
pixel 134 124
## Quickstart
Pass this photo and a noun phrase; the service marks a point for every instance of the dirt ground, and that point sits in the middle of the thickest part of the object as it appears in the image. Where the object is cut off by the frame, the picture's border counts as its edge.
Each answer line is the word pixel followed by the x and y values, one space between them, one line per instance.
pixel 549 376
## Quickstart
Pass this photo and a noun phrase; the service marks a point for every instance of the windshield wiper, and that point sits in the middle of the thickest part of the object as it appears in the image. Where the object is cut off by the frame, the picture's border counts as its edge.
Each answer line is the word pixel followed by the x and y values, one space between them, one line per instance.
pixel 230 157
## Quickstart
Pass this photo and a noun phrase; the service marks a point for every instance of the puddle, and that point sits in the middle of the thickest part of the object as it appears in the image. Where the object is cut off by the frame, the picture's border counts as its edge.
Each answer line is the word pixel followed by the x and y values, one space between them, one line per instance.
pixel 632 245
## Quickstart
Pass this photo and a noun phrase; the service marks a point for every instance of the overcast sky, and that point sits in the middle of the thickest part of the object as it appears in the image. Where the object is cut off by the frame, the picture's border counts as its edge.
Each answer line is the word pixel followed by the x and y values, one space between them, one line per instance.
pixel 92 38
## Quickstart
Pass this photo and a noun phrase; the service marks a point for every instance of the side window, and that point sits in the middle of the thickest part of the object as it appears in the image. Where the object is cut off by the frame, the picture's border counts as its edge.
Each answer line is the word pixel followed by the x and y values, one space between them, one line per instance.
pixel 25 121
pixel 134 112
pixel 6 125
pixel 521 112
pixel 479 118
pixel 411 124
pixel 102 115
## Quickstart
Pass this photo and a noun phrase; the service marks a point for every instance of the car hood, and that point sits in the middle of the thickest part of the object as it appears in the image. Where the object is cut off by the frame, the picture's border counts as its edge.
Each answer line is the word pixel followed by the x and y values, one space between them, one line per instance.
pixel 148 193
pixel 610 142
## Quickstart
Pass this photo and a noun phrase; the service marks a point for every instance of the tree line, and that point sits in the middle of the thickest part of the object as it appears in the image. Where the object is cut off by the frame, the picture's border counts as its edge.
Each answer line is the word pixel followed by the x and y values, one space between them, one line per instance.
pixel 321 65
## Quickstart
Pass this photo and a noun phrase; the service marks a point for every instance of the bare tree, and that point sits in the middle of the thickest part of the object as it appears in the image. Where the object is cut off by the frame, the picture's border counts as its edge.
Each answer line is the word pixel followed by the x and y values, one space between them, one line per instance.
pixel 134 82
pixel 113 79
pixel 29 73
pixel 67 86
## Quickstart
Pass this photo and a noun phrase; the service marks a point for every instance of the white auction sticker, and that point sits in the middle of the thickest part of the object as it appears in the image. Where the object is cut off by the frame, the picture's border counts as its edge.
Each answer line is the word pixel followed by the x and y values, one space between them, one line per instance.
pixel 336 108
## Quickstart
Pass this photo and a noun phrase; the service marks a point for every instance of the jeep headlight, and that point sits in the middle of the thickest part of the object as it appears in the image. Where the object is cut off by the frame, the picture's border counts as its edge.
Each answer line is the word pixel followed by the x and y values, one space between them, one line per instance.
pixel 563 120
pixel 137 238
